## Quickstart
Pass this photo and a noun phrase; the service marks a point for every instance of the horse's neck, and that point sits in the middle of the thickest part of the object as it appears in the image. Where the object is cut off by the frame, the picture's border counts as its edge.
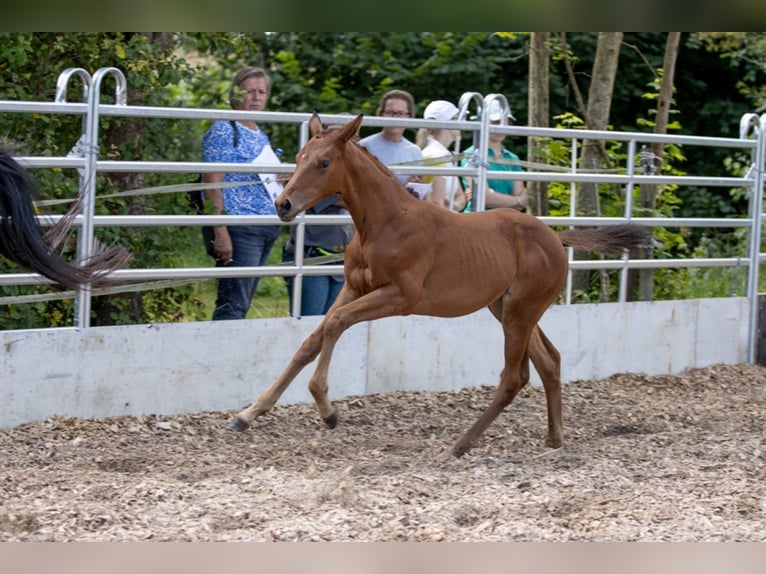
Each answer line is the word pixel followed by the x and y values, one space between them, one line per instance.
pixel 371 193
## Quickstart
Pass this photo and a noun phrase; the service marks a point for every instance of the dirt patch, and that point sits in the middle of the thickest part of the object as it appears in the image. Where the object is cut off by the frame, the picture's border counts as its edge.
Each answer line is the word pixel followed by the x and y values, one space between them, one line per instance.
pixel 673 458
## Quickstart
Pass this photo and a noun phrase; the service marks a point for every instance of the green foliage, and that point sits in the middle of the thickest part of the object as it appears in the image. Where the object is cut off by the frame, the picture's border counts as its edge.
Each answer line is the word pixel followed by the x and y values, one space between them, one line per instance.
pixel 746 53
pixel 150 65
pixel 338 72
pixel 33 315
pixel 696 282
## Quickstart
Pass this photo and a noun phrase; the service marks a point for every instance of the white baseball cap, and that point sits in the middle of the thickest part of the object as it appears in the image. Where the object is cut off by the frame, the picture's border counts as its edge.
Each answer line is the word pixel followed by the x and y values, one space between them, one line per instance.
pixel 496 112
pixel 441 110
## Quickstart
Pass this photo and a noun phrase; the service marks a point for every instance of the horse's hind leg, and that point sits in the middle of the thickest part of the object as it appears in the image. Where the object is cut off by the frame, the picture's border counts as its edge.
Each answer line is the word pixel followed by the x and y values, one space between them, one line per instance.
pixel 514 376
pixel 511 382
pixel 547 361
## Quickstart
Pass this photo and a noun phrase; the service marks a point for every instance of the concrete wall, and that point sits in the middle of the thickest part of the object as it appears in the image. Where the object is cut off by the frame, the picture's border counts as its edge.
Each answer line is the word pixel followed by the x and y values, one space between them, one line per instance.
pixel 192 367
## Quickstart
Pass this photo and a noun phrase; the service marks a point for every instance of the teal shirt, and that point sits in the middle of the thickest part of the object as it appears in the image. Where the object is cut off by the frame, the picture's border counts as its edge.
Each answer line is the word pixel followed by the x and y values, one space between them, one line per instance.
pixel 499 185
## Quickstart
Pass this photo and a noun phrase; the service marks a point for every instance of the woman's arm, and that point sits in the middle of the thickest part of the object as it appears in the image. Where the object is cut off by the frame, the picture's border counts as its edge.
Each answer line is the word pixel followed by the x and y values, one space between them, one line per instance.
pixel 438 191
pixel 462 197
pixel 519 199
pixel 221 241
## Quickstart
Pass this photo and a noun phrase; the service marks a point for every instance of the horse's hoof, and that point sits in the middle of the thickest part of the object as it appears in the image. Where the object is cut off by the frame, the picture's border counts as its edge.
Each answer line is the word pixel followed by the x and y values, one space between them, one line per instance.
pixel 237 424
pixel 553 443
pixel 459 450
pixel 331 421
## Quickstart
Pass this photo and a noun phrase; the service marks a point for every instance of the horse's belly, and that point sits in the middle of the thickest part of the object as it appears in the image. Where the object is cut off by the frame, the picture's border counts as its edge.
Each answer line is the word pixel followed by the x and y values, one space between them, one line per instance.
pixel 458 297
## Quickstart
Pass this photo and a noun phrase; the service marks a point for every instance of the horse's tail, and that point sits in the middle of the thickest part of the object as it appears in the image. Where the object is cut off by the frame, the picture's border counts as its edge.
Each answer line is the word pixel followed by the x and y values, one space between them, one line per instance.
pixel 23 241
pixel 612 239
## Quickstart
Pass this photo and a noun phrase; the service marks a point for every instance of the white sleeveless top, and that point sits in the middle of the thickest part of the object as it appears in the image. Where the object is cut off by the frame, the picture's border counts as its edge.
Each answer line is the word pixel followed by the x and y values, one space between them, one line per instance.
pixel 435 149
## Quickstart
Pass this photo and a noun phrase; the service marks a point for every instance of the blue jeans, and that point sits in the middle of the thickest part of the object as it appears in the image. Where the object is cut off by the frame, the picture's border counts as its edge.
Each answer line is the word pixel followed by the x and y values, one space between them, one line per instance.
pixel 251 246
pixel 318 292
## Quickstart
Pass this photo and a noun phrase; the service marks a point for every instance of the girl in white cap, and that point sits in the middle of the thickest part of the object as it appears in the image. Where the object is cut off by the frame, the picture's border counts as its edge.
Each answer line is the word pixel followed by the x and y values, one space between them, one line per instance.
pixel 500 192
pixel 446 189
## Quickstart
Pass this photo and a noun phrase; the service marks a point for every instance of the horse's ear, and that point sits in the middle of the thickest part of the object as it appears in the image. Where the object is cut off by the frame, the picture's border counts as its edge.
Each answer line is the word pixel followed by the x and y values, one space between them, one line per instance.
pixel 351 129
pixel 315 125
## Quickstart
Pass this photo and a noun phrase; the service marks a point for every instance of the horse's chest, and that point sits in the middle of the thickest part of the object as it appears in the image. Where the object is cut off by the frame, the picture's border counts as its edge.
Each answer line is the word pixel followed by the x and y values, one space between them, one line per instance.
pixel 368 277
pixel 367 274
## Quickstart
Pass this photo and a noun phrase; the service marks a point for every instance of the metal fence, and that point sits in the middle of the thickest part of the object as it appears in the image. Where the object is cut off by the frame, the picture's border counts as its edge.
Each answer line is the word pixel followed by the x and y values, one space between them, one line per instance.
pixel 752 140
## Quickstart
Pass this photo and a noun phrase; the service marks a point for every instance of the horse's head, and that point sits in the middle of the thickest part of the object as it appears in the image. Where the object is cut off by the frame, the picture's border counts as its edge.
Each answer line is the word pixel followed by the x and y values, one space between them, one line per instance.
pixel 319 170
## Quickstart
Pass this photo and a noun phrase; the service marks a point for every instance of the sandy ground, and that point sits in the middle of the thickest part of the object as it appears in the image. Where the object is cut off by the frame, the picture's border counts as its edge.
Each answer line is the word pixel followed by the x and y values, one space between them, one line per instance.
pixel 669 458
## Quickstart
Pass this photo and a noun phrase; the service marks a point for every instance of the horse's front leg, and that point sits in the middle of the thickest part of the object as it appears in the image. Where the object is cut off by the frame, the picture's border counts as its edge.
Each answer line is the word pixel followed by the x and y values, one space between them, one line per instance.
pixel 306 353
pixel 318 383
pixel 384 302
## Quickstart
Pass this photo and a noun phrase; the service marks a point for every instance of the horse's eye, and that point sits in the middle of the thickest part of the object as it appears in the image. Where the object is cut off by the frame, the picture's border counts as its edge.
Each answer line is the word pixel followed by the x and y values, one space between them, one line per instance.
pixel 324 163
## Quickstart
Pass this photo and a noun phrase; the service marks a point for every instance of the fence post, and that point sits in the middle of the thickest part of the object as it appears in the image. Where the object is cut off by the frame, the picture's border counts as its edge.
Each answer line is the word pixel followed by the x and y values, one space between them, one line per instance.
pixel 85 245
pixel 464 104
pixel 756 215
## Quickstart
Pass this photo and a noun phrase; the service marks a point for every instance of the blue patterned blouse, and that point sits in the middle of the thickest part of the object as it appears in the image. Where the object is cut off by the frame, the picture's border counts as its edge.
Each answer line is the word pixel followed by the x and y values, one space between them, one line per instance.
pixel 217 146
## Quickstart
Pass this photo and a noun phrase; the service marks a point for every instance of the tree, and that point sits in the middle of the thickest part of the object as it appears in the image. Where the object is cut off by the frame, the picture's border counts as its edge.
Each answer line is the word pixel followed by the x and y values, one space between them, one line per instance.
pixel 596 117
pixel 539 113
pixel 648 192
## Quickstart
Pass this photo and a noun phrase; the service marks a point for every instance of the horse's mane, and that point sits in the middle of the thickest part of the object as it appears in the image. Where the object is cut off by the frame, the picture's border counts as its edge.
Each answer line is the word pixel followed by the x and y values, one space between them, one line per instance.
pixel 379 165
pixel 382 168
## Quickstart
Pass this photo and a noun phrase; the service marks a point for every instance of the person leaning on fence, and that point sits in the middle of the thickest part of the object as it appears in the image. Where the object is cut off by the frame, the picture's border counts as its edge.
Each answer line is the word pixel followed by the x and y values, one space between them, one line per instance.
pixel 499 192
pixel 240 245
pixel 446 189
pixel 389 144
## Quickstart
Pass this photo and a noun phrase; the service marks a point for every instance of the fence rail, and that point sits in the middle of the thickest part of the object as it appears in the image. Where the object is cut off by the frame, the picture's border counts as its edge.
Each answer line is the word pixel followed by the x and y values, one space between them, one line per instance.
pixel 752 138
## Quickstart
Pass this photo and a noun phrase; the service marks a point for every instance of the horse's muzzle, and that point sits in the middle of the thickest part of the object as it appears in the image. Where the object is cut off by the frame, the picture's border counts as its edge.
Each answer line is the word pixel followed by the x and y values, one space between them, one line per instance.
pixel 284 208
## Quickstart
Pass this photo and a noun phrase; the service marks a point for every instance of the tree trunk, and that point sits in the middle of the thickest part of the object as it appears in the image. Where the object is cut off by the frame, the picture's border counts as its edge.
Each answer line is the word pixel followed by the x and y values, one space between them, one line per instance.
pixel 539 113
pixel 596 118
pixel 648 198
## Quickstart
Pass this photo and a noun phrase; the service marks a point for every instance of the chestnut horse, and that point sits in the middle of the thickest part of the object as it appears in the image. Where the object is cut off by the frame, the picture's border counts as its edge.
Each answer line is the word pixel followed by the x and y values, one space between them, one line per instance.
pixel 413 256
pixel 23 241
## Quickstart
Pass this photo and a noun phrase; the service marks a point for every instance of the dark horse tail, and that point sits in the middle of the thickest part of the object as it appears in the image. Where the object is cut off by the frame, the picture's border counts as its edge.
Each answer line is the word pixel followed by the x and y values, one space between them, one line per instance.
pixel 23 241
pixel 612 239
